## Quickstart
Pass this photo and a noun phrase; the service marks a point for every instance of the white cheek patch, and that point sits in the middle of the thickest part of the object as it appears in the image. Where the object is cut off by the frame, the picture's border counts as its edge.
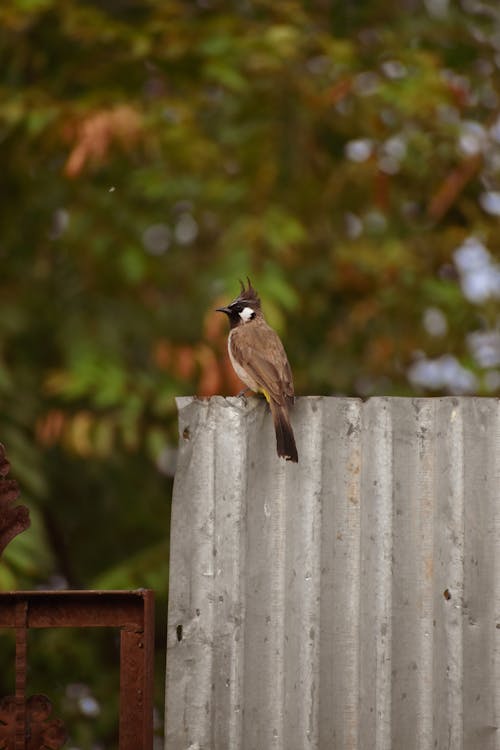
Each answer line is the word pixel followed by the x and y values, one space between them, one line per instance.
pixel 247 314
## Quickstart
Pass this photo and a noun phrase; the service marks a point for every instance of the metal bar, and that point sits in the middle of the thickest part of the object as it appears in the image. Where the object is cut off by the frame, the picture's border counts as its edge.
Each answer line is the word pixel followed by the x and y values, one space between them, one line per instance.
pixel 21 616
pixel 136 680
pixel 131 611
pixel 80 609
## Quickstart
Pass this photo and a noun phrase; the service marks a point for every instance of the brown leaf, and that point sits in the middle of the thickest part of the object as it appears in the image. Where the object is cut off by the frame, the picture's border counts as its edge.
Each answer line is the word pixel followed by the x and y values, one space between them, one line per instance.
pixel 162 354
pixel 94 135
pixel 451 187
pixel 184 362
pixel 49 428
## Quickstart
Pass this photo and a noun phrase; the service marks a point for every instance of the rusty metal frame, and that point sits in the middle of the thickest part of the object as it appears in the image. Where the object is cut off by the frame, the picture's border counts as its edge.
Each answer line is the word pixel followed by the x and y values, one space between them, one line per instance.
pixel 130 611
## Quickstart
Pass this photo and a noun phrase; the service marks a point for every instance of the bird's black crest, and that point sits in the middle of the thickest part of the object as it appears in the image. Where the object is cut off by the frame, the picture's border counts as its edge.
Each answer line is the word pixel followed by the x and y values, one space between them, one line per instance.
pixel 249 294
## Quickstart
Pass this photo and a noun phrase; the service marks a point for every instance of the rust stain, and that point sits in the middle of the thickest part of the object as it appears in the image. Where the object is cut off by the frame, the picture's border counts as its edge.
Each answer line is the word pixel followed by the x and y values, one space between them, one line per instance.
pixel 14 519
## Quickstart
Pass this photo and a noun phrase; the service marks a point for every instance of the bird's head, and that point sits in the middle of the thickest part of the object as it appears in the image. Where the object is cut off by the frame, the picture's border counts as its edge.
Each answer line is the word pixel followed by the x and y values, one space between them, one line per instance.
pixel 244 308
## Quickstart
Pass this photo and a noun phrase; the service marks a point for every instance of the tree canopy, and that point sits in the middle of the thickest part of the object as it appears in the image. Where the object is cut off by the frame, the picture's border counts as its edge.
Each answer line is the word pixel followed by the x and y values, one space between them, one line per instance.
pixel 345 156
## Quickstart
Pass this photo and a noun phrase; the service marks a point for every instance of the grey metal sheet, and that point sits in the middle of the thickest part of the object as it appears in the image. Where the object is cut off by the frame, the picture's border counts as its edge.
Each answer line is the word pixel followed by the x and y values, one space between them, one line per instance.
pixel 349 602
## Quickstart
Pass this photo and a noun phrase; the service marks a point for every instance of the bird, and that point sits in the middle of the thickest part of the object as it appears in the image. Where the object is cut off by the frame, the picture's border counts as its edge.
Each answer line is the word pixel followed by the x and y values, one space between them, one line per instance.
pixel 259 360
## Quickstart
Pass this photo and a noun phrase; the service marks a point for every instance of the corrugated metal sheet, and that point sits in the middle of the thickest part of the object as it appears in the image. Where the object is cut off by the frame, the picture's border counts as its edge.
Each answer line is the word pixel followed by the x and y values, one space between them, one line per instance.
pixel 350 602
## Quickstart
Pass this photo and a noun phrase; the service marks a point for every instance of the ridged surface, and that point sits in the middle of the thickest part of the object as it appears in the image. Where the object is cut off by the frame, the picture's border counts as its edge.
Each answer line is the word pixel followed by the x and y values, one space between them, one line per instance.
pixel 350 602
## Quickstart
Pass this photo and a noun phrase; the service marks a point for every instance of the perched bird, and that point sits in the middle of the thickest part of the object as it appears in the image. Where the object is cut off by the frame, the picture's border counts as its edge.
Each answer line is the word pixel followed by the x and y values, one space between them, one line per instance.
pixel 260 361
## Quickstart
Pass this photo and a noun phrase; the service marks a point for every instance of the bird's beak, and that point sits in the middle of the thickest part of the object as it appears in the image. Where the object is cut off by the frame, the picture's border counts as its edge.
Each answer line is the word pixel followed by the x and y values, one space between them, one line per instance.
pixel 223 309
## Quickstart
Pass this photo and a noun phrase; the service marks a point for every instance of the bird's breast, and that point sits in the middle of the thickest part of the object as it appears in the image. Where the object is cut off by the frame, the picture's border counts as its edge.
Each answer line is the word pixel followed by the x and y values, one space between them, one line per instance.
pixel 238 367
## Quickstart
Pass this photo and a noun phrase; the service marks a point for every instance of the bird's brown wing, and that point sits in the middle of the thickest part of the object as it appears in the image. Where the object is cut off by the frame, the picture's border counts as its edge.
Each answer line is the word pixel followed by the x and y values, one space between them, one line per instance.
pixel 258 349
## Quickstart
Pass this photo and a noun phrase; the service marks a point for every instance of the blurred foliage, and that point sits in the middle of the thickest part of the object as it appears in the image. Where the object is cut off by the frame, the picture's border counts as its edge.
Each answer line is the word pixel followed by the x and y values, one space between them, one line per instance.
pixel 152 153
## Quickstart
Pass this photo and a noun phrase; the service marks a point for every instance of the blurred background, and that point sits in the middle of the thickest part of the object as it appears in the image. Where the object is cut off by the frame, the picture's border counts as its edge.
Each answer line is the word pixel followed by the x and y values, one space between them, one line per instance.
pixel 344 154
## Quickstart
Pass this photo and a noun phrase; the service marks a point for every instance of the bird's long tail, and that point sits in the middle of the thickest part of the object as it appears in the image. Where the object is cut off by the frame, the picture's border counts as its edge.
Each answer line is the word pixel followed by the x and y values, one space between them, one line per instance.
pixel 285 440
